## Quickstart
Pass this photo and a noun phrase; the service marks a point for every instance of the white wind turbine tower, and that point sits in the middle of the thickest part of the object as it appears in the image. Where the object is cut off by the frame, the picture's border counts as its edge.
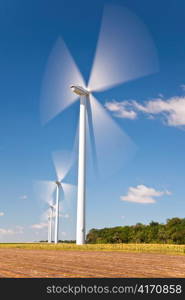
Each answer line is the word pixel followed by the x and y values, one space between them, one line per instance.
pixel 50 222
pixel 125 51
pixel 48 190
pixel 53 212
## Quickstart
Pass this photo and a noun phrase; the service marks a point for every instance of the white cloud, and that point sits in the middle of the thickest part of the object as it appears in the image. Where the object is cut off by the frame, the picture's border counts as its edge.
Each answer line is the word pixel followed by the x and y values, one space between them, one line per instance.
pixel 168 192
pixel 182 87
pixel 6 231
pixel 171 110
pixel 1 214
pixel 143 194
pixel 23 197
pixel 39 226
pixel 17 230
pixel 121 109
pixel 65 216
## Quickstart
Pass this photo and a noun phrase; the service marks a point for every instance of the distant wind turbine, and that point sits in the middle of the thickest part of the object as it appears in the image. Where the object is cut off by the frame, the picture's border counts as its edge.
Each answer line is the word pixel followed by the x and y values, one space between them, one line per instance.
pixel 50 222
pixel 48 190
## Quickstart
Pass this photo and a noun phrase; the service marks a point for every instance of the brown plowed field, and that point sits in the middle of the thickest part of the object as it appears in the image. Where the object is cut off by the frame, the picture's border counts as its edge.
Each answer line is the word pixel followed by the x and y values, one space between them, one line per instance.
pixel 60 263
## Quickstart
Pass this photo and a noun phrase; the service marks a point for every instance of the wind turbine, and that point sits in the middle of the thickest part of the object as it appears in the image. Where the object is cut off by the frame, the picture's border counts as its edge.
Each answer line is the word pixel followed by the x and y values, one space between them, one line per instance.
pixel 50 222
pixel 56 188
pixel 125 51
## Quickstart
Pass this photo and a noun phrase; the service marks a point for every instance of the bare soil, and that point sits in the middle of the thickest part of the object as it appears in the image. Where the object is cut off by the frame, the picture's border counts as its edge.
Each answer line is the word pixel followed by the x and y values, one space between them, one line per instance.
pixel 19 263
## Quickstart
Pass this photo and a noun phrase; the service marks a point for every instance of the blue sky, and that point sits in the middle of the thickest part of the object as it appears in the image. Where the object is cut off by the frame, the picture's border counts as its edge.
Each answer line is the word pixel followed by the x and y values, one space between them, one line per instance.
pixel 28 32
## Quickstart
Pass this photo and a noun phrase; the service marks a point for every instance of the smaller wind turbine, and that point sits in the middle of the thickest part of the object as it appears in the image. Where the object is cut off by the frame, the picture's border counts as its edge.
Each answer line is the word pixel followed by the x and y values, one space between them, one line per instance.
pixel 53 212
pixel 56 188
pixel 62 163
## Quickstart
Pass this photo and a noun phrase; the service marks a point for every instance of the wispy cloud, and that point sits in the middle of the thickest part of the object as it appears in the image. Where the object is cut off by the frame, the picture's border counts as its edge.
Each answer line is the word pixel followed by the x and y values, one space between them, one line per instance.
pixel 1 213
pixel 17 230
pixel 6 231
pixel 65 216
pixel 24 197
pixel 143 194
pixel 171 111
pixel 182 86
pixel 122 109
pixel 39 225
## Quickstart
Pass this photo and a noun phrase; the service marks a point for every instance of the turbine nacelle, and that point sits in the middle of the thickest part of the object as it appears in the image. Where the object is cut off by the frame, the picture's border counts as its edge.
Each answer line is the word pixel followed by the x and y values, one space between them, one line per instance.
pixel 58 183
pixel 79 90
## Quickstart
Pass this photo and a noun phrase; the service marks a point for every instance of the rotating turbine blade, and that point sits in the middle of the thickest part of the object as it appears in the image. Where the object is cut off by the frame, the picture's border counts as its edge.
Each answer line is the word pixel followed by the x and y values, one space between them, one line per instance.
pixel 125 50
pixel 69 192
pixel 45 214
pixel 61 73
pixel 62 161
pixel 68 189
pixel 73 172
pixel 44 191
pixel 112 146
pixel 91 155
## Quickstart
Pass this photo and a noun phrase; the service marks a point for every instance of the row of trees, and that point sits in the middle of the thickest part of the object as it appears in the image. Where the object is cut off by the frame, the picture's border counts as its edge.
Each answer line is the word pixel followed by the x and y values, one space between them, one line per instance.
pixel 173 232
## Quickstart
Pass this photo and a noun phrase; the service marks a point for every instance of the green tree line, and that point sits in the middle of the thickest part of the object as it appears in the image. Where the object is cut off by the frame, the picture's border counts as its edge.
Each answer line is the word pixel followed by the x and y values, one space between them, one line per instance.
pixel 173 232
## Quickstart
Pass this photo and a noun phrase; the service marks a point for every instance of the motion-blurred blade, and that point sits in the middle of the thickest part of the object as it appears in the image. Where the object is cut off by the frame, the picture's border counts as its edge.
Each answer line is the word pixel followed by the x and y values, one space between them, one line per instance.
pixel 91 155
pixel 112 146
pixel 62 161
pixel 73 172
pixel 61 73
pixel 125 50
pixel 69 192
pixel 44 191
pixel 45 215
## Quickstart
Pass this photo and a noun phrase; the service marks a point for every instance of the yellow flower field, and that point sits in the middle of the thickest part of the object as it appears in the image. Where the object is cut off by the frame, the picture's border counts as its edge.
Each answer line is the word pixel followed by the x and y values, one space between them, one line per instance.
pixel 151 248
